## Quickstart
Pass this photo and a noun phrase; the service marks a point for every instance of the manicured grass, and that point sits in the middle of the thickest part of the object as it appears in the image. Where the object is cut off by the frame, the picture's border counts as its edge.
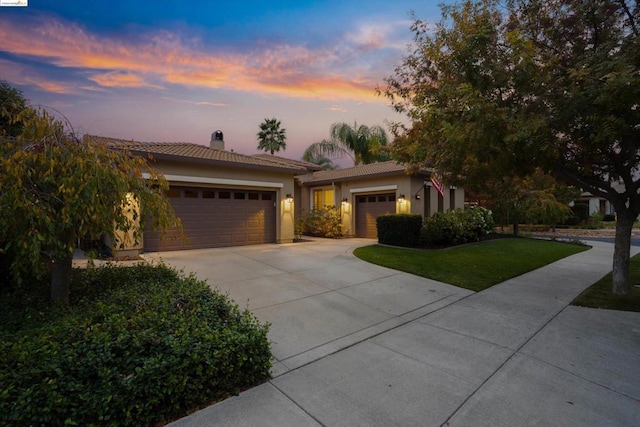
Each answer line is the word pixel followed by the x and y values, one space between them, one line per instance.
pixel 476 266
pixel 599 294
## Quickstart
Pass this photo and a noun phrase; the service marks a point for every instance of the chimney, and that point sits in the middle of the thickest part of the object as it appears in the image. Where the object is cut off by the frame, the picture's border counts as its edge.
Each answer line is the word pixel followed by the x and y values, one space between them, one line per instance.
pixel 217 140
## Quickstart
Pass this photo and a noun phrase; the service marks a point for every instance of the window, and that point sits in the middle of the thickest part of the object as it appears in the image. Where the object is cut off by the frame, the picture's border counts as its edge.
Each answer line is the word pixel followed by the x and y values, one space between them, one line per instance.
pixel 239 196
pixel 267 196
pixel 224 195
pixel 254 196
pixel 173 192
pixel 323 198
pixel 208 194
pixel 192 194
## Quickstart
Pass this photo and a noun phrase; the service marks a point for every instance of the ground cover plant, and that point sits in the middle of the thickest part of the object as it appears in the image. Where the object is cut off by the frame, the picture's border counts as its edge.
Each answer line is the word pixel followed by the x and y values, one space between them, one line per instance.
pixel 474 266
pixel 599 294
pixel 135 346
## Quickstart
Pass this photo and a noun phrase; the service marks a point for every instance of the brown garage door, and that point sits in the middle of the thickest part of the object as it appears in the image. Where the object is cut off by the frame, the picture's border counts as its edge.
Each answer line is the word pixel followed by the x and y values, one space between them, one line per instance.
pixel 368 208
pixel 213 217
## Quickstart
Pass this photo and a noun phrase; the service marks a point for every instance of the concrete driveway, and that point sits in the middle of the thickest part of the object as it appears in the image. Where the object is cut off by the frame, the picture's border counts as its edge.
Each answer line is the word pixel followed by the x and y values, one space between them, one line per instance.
pixel 318 297
pixel 360 345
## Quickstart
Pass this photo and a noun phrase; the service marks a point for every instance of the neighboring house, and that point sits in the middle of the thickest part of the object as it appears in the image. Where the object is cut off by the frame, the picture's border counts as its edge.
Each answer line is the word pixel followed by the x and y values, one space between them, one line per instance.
pixel 223 198
pixel 362 193
pixel 600 205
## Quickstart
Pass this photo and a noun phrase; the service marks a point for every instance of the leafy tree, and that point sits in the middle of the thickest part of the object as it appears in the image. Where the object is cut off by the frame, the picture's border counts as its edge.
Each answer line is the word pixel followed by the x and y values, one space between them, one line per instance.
pixel 11 102
pixel 319 159
pixel 501 89
pixel 55 189
pixel 537 198
pixel 362 144
pixel 271 137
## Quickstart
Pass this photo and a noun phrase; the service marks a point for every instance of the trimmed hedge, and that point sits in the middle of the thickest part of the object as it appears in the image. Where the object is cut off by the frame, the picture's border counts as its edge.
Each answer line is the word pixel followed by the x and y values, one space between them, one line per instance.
pixel 457 227
pixel 136 346
pixel 399 229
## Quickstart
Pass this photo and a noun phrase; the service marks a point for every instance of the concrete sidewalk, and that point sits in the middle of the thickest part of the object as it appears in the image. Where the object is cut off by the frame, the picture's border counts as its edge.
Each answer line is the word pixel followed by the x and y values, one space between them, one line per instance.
pixel 372 346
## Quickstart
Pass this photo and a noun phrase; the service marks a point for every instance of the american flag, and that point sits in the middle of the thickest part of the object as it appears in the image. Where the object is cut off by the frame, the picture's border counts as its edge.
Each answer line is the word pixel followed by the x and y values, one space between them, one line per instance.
pixel 437 184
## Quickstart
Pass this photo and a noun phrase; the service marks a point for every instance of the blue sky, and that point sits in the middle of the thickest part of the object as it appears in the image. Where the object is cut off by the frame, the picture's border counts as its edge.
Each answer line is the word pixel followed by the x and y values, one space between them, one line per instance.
pixel 177 71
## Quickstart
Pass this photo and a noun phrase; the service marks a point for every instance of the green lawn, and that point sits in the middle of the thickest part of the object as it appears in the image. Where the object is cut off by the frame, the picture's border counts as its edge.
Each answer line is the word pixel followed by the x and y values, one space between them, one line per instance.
pixel 599 294
pixel 476 266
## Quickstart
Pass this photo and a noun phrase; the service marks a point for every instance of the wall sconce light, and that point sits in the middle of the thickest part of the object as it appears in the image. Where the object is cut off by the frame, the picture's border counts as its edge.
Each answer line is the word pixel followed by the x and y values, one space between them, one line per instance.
pixel 401 198
pixel 288 198
pixel 418 197
pixel 345 201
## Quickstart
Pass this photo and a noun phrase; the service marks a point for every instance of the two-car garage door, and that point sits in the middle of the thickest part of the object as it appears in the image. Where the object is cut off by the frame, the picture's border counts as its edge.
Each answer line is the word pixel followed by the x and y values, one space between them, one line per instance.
pixel 368 208
pixel 218 217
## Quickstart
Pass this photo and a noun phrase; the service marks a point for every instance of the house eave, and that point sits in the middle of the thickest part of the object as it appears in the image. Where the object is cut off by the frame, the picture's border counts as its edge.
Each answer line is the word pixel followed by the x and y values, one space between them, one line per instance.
pixel 271 167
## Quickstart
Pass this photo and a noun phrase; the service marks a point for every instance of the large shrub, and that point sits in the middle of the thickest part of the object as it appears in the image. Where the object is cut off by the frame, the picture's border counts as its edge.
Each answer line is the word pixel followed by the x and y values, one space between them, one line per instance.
pixel 456 227
pixel 399 229
pixel 135 347
pixel 324 222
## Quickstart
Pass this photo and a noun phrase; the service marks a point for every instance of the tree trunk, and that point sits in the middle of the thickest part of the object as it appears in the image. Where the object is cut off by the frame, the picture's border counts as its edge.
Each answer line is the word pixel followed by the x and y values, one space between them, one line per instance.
pixel 61 279
pixel 621 254
pixel 516 228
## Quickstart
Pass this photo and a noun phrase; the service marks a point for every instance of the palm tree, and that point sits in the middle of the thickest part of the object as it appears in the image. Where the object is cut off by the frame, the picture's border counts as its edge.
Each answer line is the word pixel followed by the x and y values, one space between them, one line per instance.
pixel 362 144
pixel 318 159
pixel 271 137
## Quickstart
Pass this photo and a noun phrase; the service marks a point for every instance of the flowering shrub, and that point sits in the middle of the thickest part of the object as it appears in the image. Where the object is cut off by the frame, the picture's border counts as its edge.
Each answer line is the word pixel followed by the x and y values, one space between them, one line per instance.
pixel 456 227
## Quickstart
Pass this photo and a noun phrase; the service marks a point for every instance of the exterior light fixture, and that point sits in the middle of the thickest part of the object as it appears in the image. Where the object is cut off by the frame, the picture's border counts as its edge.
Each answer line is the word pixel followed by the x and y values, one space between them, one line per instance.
pixel 289 198
pixel 345 200
pixel 401 198
pixel 418 197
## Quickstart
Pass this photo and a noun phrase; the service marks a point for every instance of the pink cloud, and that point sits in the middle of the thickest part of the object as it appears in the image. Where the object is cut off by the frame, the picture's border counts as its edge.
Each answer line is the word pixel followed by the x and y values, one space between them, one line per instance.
pixel 24 76
pixel 291 71
pixel 120 79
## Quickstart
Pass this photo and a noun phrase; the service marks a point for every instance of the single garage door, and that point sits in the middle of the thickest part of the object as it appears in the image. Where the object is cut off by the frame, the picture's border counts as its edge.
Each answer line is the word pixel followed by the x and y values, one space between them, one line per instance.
pixel 217 217
pixel 368 208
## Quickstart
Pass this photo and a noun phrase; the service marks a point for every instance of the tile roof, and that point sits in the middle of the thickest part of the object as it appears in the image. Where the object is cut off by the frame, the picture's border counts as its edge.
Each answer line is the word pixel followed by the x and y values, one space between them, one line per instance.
pixel 281 160
pixel 373 169
pixel 189 151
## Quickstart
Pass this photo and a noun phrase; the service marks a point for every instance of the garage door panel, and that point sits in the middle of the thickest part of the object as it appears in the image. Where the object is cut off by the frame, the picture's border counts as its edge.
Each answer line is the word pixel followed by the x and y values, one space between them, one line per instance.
pixel 369 208
pixel 217 222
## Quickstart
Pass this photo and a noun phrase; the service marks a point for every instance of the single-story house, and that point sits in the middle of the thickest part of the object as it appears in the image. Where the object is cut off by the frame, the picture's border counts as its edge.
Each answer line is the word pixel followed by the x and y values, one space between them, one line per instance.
pixel 600 205
pixel 230 199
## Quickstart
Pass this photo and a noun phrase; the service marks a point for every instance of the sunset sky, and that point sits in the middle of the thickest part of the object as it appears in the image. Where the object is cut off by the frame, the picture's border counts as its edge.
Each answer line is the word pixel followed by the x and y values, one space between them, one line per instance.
pixel 178 70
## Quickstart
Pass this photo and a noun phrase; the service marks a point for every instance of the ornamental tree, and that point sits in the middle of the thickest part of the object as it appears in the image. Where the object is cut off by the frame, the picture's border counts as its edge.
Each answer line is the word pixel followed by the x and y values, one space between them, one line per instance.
pixel 500 89
pixel 55 189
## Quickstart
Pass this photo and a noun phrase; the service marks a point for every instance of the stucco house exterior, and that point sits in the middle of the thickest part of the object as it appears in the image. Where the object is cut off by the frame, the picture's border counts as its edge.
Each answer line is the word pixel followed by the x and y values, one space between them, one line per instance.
pixel 229 199
pixel 362 193
pixel 223 198
pixel 600 205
